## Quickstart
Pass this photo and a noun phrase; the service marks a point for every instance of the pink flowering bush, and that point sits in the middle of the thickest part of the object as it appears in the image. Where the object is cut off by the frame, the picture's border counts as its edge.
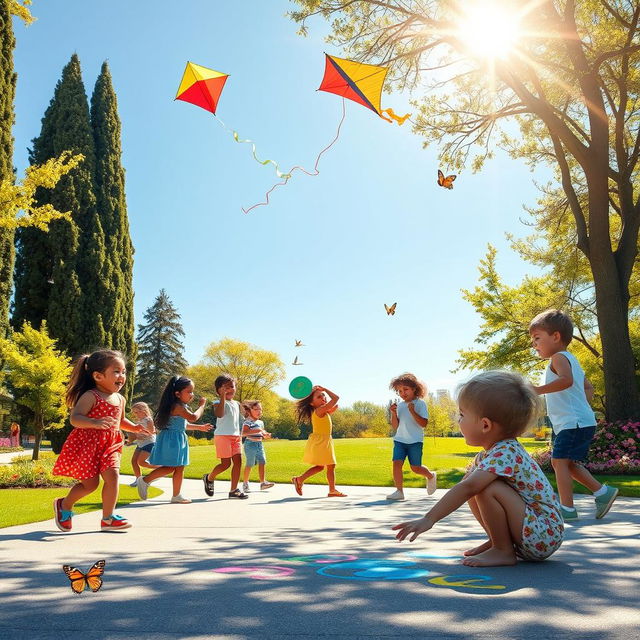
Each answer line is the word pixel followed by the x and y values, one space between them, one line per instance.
pixel 615 449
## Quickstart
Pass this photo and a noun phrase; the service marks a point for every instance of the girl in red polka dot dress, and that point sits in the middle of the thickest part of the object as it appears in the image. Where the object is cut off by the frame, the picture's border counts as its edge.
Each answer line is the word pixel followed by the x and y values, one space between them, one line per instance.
pixel 93 448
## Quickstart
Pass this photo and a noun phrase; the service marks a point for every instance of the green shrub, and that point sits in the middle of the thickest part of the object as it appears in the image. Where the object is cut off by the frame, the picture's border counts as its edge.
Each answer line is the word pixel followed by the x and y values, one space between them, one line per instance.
pixel 615 449
pixel 24 472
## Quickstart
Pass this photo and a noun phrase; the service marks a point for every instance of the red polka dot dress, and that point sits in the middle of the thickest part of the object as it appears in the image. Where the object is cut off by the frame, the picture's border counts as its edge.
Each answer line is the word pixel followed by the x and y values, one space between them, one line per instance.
pixel 88 452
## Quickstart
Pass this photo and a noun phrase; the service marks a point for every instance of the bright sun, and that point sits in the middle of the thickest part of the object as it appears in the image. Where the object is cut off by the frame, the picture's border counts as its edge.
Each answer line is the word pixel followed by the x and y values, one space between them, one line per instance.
pixel 488 30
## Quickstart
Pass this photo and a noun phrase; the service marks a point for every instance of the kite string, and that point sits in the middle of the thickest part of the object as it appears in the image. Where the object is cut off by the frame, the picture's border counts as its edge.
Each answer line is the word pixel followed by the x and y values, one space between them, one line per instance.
pixel 236 137
pixel 300 168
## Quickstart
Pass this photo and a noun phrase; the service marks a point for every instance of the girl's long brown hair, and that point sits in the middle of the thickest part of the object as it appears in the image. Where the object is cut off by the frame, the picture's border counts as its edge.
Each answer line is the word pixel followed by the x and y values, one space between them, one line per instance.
pixel 83 370
pixel 304 409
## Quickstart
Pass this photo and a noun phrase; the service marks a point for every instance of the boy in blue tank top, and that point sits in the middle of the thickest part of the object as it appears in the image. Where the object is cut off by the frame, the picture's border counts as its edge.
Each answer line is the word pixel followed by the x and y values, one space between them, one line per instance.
pixel 568 393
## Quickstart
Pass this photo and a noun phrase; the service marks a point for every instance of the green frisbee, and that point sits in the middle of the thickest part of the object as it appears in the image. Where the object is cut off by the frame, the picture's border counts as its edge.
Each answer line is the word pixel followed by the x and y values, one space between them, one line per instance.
pixel 300 387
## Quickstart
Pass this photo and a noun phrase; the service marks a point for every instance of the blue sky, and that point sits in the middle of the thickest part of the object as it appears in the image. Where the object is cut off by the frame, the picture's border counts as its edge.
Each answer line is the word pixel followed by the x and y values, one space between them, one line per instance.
pixel 319 262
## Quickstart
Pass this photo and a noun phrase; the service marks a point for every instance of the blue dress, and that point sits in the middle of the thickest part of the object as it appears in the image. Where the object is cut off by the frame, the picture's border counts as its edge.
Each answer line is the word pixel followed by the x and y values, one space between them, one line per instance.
pixel 172 447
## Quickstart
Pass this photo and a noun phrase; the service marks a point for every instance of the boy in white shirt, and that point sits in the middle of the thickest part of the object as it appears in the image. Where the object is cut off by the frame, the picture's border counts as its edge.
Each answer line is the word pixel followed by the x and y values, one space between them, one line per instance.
pixel 227 437
pixel 568 393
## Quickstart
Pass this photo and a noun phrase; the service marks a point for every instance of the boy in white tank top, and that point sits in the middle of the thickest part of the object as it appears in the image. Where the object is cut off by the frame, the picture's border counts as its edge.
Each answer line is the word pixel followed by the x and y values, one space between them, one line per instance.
pixel 568 393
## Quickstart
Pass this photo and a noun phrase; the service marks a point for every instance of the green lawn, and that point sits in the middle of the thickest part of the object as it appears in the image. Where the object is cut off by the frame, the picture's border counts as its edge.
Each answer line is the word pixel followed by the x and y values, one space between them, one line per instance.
pixel 21 506
pixel 361 461
pixel 367 461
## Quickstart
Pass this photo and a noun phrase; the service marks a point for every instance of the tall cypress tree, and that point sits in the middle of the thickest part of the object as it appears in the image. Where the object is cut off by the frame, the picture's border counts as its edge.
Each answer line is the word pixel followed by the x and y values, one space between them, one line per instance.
pixel 160 350
pixel 117 307
pixel 7 117
pixel 112 208
pixel 59 275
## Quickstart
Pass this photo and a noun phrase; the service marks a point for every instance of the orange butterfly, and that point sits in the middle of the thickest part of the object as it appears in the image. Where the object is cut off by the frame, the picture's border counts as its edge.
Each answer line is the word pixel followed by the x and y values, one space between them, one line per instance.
pixel 447 182
pixel 299 343
pixel 391 311
pixel 91 579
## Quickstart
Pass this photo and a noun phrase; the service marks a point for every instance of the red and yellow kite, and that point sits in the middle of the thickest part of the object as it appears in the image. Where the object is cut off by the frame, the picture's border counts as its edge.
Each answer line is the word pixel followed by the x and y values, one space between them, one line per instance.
pixel 201 86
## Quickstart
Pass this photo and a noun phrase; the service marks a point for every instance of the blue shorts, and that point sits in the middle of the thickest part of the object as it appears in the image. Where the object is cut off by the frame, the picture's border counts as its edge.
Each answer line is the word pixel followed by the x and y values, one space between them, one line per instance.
pixel 413 451
pixel 147 447
pixel 573 443
pixel 254 453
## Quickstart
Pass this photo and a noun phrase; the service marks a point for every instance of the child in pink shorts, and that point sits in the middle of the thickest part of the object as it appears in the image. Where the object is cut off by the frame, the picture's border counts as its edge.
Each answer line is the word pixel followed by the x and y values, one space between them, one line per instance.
pixel 227 437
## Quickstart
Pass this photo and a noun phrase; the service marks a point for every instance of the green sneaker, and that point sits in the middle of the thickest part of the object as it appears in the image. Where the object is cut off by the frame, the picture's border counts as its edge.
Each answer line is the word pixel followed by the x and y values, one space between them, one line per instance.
pixel 569 515
pixel 604 502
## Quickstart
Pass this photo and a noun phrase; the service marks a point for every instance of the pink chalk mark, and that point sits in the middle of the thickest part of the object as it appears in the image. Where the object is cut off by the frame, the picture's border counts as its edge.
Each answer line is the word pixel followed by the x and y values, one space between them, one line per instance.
pixel 267 572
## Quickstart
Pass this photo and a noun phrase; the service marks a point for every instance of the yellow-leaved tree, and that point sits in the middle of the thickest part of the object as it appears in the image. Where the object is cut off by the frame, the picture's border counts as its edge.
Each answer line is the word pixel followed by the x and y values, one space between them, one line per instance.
pixel 37 374
pixel 256 372
pixel 20 8
pixel 18 207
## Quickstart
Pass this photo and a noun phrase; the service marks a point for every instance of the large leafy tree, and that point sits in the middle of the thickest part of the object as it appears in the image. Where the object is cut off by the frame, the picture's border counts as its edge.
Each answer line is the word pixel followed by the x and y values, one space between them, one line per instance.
pixel 37 373
pixel 570 82
pixel 117 305
pixel 160 349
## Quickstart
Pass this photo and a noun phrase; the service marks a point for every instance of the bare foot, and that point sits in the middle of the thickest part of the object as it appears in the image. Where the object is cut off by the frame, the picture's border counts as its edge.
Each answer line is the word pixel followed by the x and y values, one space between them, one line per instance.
pixel 474 551
pixel 491 558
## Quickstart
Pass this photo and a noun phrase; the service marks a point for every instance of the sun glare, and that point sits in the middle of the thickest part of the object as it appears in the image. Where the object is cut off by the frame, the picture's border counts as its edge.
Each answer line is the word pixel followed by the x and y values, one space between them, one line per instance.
pixel 488 29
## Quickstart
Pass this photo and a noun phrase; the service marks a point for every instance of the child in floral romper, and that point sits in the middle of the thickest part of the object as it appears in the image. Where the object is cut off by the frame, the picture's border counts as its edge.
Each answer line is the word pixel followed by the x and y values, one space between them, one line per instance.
pixel 505 488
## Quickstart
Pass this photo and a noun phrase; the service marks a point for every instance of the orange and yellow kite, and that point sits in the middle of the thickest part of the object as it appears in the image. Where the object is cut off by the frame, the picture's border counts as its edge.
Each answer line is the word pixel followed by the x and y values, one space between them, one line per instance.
pixel 359 82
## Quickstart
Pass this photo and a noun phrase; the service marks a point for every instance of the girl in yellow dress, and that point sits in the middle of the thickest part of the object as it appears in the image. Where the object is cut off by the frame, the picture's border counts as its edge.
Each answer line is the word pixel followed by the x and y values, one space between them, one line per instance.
pixel 316 408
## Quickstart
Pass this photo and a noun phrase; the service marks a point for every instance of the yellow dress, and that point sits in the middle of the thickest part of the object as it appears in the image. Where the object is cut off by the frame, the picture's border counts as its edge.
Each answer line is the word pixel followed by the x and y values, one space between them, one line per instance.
pixel 319 449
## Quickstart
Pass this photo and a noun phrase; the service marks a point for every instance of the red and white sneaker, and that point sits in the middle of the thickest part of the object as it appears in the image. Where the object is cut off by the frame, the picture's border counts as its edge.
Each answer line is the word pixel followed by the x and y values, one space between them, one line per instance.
pixel 114 523
pixel 62 517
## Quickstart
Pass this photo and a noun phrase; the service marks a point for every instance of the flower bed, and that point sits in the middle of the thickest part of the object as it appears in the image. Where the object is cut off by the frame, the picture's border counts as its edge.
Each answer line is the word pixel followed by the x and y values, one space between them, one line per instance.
pixel 24 472
pixel 615 449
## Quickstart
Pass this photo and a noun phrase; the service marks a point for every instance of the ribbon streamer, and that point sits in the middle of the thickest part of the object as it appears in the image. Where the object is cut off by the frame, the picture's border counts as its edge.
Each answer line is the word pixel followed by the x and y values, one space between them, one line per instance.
pixel 314 172
pixel 399 119
pixel 236 137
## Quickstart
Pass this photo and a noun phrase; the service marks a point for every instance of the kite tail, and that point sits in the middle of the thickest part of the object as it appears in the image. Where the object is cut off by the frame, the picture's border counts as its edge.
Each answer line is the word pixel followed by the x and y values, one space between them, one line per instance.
pixel 314 172
pixel 399 119
pixel 236 137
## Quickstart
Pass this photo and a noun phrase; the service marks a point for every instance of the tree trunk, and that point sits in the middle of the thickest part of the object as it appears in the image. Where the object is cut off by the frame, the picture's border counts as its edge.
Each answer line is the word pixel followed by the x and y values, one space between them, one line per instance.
pixel 36 445
pixel 622 398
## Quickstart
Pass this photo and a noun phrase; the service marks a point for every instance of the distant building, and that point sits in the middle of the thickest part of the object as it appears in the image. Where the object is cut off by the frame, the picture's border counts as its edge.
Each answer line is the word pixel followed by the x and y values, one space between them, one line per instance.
pixel 443 394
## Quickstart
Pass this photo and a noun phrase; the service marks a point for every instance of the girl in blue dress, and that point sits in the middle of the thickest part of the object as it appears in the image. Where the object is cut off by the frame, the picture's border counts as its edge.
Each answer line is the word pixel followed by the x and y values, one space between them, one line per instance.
pixel 171 451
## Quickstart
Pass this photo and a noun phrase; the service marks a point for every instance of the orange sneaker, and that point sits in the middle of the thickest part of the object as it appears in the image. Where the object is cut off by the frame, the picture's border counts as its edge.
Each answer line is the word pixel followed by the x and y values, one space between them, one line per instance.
pixel 62 517
pixel 114 523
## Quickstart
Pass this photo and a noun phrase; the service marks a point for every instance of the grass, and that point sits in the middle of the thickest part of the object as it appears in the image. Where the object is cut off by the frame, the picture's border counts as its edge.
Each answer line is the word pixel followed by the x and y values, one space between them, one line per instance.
pixel 361 461
pixel 367 461
pixel 22 506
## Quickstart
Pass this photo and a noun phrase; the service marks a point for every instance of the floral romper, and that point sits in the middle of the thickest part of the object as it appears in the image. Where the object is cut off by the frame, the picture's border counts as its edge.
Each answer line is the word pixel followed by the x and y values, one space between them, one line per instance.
pixel 542 528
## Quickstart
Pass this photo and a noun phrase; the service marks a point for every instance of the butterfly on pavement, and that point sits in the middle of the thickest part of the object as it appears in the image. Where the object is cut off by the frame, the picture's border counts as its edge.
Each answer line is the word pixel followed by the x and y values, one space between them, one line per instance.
pixel 80 581
pixel 447 182
pixel 390 310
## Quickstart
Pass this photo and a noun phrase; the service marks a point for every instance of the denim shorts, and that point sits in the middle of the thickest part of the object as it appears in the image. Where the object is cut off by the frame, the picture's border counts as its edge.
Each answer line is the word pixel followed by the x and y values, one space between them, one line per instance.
pixel 254 453
pixel 413 451
pixel 147 447
pixel 573 443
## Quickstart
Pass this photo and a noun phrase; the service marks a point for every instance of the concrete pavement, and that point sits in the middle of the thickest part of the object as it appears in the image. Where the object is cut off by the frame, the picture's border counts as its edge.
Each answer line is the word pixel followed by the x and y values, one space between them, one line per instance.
pixel 280 566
